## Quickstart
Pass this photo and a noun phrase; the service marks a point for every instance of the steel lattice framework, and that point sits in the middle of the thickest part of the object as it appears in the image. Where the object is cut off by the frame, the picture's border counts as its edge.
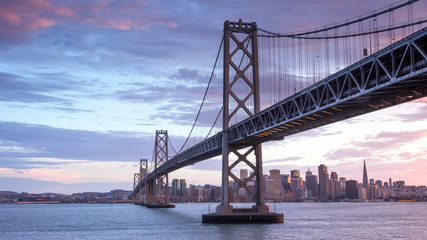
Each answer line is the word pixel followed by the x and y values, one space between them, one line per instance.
pixel 161 193
pixel 244 75
pixel 394 75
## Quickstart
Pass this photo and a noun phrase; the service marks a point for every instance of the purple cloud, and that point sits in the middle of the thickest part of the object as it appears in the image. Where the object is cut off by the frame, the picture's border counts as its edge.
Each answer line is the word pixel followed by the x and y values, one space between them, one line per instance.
pixel 38 141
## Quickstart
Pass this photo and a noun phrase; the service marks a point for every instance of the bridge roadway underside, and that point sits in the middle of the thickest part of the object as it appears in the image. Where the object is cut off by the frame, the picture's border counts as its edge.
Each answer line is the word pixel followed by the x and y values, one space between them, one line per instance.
pixel 394 75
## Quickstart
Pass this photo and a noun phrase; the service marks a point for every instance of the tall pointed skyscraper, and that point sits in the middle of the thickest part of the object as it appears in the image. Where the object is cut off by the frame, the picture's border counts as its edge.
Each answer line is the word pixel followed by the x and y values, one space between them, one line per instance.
pixel 365 178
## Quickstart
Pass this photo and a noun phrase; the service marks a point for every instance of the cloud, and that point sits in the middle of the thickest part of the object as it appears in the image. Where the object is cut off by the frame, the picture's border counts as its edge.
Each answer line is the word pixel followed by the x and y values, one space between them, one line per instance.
pixel 375 145
pixel 19 17
pixel 15 88
pixel 39 141
pixel 38 186
pixel 28 15
pixel 419 115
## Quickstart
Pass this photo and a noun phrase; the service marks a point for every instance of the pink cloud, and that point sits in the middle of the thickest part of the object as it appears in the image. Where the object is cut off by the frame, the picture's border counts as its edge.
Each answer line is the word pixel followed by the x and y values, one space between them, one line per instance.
pixel 27 15
pixel 172 25
pixel 17 17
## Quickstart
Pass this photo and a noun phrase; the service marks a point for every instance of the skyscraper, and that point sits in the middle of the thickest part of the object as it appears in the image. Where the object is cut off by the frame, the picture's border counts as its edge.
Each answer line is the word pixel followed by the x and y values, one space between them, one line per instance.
pixel 342 186
pixel 365 178
pixel 296 183
pixel 311 184
pixel 334 187
pixel 275 175
pixel 285 182
pixel 182 188
pixel 295 174
pixel 351 187
pixel 324 191
pixel 175 187
pixel 243 174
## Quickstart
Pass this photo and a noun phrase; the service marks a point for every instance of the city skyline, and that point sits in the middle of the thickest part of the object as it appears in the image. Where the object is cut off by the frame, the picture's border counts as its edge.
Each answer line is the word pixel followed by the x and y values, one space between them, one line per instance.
pixel 176 185
pixel 85 85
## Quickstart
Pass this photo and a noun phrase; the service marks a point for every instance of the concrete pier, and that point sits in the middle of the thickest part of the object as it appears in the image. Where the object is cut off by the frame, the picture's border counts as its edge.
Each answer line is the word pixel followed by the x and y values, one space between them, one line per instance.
pixel 243 215
pixel 160 206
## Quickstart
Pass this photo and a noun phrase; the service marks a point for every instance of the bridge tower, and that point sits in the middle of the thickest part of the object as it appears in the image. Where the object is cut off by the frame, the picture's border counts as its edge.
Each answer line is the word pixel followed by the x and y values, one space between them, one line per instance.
pixel 143 168
pixel 135 184
pixel 246 103
pixel 158 188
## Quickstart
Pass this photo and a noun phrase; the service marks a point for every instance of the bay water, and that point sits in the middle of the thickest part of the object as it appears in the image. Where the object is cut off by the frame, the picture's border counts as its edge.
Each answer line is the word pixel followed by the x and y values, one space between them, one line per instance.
pixel 336 220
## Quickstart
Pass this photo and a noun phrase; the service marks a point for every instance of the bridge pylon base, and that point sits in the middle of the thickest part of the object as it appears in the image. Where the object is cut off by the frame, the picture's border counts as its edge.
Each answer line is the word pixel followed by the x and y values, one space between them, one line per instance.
pixel 160 205
pixel 256 214
pixel 243 217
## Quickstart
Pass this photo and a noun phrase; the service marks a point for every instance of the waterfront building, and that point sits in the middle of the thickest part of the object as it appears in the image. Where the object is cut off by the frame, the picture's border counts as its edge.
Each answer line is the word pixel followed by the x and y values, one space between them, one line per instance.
pixel 175 187
pixel 216 194
pixel 311 184
pixel 301 192
pixel 182 188
pixel 193 193
pixel 296 183
pixel 334 185
pixel 362 193
pixel 351 189
pixel 324 191
pixel 374 191
pixel 285 180
pixel 379 183
pixel 199 192
pixel 389 182
pixel 269 189
pixel 275 175
pixel 342 186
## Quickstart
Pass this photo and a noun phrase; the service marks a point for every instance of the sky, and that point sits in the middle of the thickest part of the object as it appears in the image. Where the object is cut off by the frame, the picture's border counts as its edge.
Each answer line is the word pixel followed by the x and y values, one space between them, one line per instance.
pixel 84 85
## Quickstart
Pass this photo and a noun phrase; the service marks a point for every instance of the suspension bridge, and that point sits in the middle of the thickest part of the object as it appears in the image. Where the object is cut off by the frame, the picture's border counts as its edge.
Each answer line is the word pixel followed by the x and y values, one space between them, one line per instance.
pixel 275 85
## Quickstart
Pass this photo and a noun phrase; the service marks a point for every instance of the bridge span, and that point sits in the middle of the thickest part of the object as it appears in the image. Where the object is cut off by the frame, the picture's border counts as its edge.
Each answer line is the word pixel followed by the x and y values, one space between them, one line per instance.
pixel 394 75
pixel 391 76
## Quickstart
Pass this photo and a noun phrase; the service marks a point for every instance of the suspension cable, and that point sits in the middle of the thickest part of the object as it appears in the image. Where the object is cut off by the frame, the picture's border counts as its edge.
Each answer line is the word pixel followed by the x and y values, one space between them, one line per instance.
pixel 152 159
pixel 213 125
pixel 204 97
pixel 375 14
pixel 275 35
pixel 170 142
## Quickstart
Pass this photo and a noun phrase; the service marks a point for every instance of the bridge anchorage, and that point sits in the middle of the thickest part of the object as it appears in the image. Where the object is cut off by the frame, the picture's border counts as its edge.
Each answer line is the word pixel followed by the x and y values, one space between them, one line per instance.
pixel 393 75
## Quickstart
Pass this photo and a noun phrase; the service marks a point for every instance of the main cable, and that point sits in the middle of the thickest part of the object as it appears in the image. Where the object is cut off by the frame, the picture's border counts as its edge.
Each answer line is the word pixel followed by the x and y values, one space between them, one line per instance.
pixel 204 97
pixel 276 35
pixel 375 14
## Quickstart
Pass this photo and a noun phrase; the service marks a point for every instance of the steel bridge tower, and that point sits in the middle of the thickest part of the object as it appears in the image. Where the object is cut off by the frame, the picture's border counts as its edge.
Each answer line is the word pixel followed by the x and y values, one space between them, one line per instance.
pixel 158 188
pixel 248 103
